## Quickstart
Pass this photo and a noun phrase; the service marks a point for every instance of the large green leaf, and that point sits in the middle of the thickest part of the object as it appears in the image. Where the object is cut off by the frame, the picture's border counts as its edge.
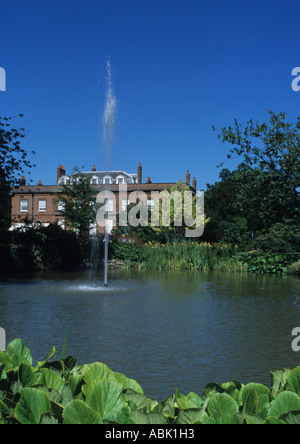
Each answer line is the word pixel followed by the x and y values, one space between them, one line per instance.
pixel 284 403
pixel 167 406
pixel 255 399
pixel 75 383
pixel 293 381
pixel 278 378
pixel 128 383
pixel 4 359
pixel 78 412
pixel 292 417
pixel 148 418
pixel 3 408
pixel 142 402
pixel 96 372
pixel 51 380
pixel 16 347
pixel 190 401
pixel 222 408
pixel 32 405
pixel 191 416
pixel 105 397
pixel 26 375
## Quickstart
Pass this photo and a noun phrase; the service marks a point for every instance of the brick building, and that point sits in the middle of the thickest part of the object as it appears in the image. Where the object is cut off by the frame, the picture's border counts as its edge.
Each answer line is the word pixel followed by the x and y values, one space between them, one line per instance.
pixel 39 203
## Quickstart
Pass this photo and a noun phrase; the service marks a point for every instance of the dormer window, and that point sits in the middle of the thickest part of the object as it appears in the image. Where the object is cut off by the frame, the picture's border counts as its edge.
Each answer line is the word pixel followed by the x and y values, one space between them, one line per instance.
pixel 120 180
pixel 95 180
pixel 107 180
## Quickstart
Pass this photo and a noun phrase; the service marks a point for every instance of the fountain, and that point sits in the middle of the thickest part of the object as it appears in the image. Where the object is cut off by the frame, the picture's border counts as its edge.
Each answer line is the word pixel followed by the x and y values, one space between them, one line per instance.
pixel 108 123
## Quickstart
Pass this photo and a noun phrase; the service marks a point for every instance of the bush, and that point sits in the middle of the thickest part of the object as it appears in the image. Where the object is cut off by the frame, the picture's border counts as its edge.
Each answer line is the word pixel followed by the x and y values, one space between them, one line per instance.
pixel 127 251
pixel 43 249
pixel 268 263
pixel 294 268
pixel 281 238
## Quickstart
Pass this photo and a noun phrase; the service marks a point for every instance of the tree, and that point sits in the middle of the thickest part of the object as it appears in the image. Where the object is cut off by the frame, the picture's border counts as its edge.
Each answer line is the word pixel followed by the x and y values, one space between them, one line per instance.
pixel 78 203
pixel 13 162
pixel 269 172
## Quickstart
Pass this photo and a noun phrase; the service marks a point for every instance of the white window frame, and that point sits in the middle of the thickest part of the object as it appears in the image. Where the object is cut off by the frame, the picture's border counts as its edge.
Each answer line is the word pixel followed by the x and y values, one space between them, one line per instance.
pixel 42 208
pixel 125 204
pixel 109 205
pixel 95 180
pixel 120 178
pixel 24 201
pixel 61 205
pixel 105 178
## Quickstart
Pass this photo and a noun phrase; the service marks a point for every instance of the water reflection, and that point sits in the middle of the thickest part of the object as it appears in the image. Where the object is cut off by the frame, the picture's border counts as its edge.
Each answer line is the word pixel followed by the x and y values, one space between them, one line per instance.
pixel 166 330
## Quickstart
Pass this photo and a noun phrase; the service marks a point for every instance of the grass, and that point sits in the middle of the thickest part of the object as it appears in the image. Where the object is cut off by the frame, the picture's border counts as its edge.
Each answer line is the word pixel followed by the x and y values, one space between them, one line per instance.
pixel 191 256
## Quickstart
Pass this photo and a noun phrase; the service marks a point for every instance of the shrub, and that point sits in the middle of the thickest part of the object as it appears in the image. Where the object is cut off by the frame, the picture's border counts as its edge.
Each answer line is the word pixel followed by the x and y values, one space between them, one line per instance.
pixel 267 262
pixel 44 249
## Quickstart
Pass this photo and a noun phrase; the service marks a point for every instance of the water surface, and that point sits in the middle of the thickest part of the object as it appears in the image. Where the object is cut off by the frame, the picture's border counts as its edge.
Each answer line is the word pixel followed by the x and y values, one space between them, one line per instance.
pixel 166 330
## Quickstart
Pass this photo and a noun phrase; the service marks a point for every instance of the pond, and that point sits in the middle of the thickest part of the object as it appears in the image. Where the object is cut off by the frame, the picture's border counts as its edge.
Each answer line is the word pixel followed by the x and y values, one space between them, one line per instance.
pixel 167 330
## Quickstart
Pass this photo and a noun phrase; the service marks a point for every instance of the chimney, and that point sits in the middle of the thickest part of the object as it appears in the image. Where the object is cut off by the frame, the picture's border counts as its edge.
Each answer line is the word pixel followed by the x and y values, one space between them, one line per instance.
pixel 22 181
pixel 61 171
pixel 94 168
pixel 188 177
pixel 195 184
pixel 39 183
pixel 139 173
pixel 148 180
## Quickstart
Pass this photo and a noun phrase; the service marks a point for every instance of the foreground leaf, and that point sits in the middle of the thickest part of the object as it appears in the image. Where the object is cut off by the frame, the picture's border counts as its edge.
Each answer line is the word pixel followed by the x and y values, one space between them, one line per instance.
pixel 105 397
pixel 32 405
pixel 16 347
pixel 293 381
pixel 283 404
pixel 77 412
pixel 222 409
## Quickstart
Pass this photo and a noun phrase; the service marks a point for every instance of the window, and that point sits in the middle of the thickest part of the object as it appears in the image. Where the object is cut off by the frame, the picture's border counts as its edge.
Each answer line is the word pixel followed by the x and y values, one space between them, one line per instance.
pixel 120 180
pixel 24 206
pixel 95 180
pixel 61 205
pixel 125 203
pixel 109 204
pixel 107 180
pixel 42 205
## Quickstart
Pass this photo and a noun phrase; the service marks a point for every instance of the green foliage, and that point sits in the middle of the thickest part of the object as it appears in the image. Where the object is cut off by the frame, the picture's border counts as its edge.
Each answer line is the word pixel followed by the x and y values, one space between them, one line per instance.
pixel 127 251
pixel 258 204
pixel 58 391
pixel 185 255
pixel 13 158
pixel 41 249
pixel 282 237
pixel 271 152
pixel 13 162
pixel 78 201
pixel 267 263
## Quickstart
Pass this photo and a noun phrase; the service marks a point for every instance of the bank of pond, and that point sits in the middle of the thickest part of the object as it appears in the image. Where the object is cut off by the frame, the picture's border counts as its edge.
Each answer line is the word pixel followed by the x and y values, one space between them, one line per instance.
pixel 204 256
pixel 58 391
pixel 51 248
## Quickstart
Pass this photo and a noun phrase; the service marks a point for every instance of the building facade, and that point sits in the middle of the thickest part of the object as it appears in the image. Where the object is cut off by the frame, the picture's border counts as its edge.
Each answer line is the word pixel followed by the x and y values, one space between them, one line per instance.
pixel 32 204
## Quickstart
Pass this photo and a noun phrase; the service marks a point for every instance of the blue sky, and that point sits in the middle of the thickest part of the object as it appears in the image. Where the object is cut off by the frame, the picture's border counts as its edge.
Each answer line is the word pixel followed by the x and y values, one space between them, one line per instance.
pixel 178 68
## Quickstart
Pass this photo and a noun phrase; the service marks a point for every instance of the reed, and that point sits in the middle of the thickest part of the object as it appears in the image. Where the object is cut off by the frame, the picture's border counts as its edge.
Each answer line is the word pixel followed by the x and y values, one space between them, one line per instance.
pixel 191 256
